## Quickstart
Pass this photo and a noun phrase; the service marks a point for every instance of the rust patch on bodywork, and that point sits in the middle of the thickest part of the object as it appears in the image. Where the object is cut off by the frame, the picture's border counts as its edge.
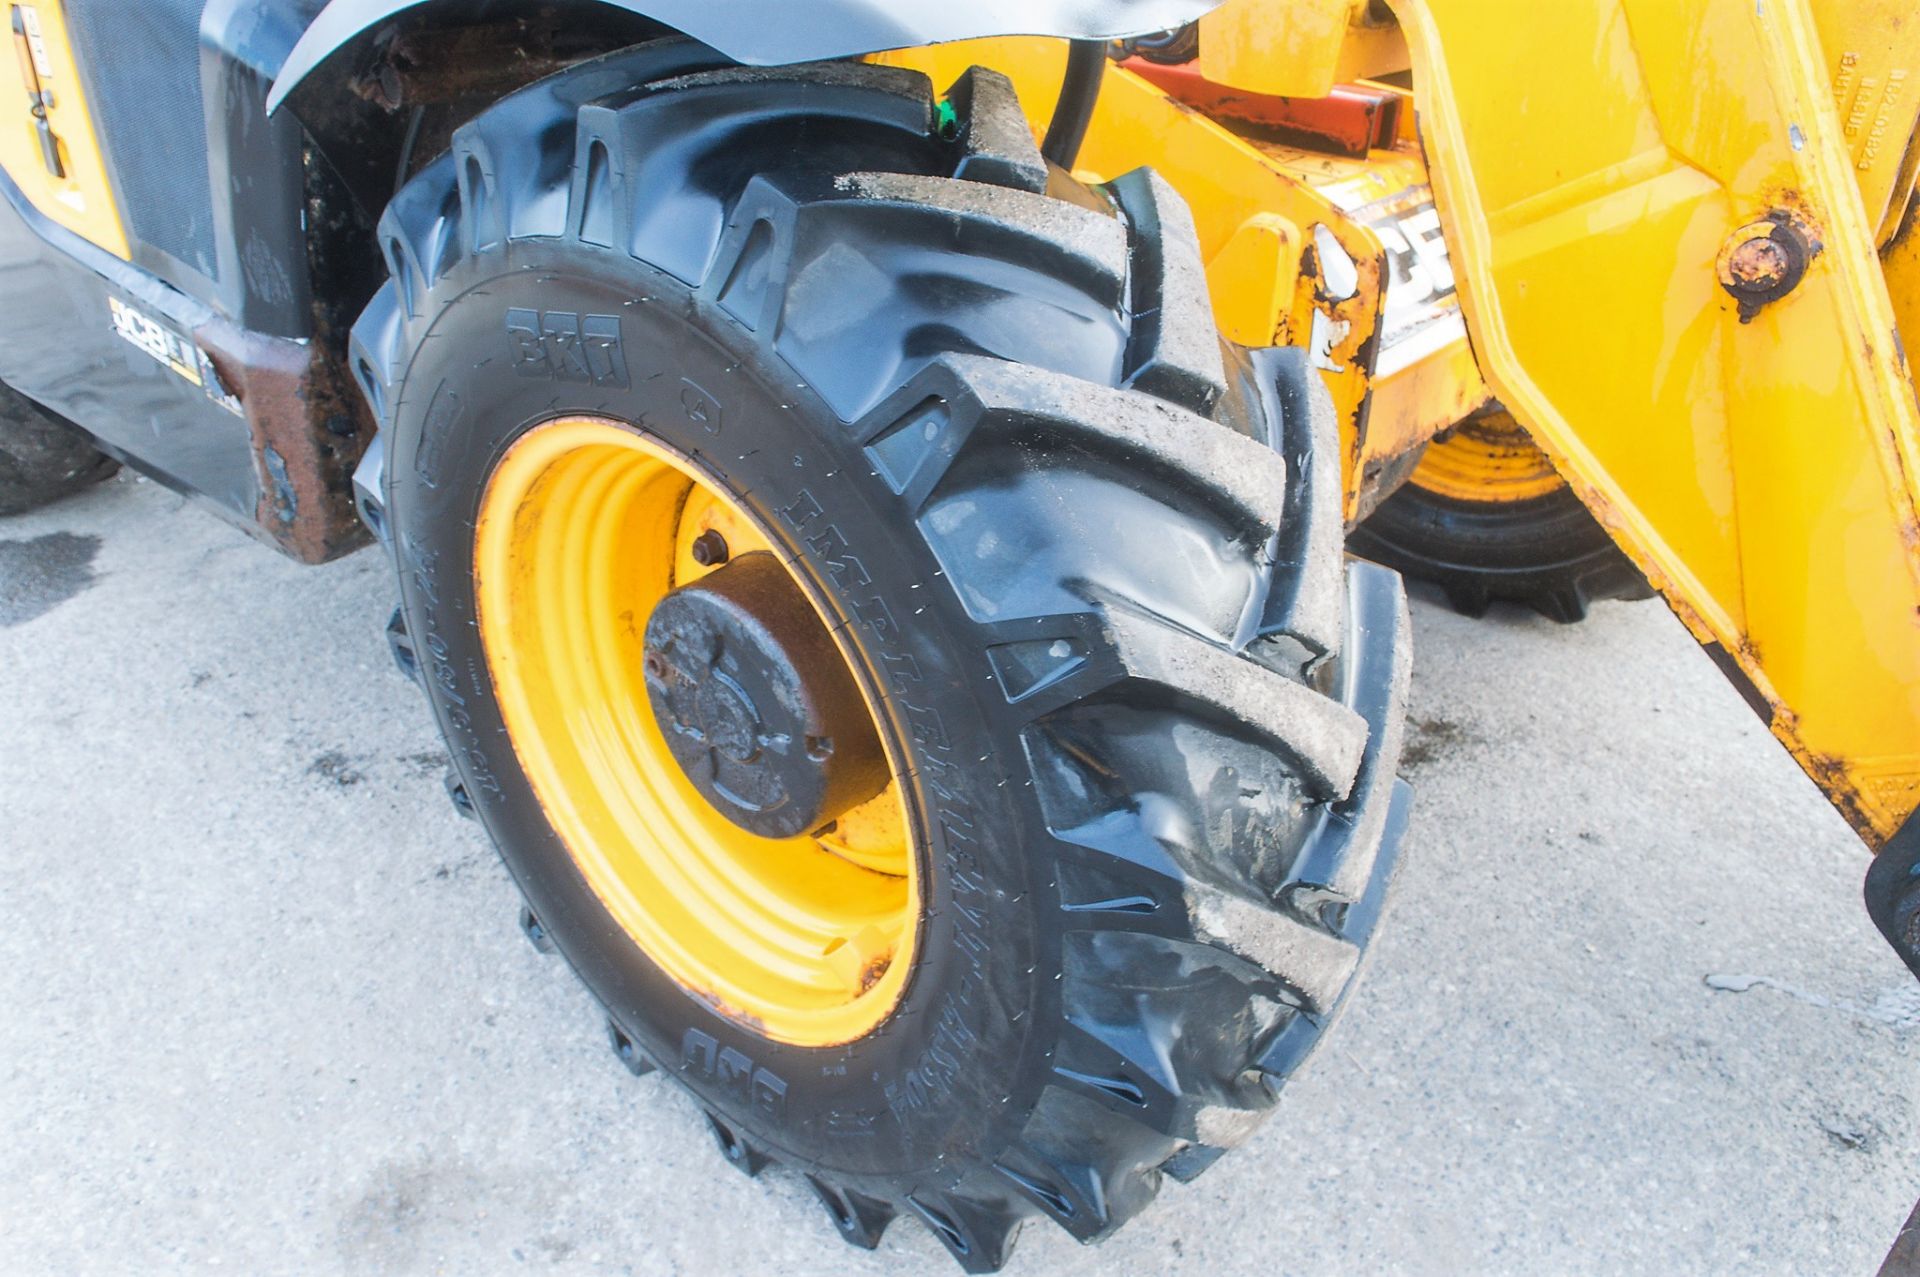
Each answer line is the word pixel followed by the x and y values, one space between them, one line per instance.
pixel 1835 780
pixel 309 426
pixel 414 62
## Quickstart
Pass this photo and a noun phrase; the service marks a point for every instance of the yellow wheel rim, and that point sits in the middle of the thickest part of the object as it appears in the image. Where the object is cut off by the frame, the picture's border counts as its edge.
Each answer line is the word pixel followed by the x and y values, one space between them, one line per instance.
pixel 584 527
pixel 1488 458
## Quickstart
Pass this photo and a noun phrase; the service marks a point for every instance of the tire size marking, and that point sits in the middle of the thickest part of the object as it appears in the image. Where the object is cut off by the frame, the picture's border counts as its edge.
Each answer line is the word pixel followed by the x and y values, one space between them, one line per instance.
pixel 564 345
pixel 443 424
pixel 445 676
pixel 954 1037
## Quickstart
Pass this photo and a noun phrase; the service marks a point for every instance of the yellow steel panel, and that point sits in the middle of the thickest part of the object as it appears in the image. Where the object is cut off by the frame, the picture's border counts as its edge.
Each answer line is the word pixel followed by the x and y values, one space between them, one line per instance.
pixel 81 197
pixel 1252 278
pixel 1872 50
pixel 1409 406
pixel 1763 473
pixel 1298 49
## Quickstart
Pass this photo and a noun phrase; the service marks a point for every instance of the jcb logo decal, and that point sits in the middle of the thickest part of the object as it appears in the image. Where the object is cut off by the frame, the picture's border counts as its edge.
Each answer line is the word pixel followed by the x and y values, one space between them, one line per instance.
pixel 567 347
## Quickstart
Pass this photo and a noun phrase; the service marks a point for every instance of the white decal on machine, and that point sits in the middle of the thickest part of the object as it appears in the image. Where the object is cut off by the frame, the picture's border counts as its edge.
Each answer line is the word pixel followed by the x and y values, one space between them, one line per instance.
pixel 1421 314
pixel 171 350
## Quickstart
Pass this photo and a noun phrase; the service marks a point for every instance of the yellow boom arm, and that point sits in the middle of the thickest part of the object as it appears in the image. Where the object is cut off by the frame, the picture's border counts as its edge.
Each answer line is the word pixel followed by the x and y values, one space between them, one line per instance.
pixel 1659 217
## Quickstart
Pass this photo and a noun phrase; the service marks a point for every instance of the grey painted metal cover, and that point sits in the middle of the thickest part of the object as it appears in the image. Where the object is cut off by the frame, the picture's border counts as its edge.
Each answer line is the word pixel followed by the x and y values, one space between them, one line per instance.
pixel 771 32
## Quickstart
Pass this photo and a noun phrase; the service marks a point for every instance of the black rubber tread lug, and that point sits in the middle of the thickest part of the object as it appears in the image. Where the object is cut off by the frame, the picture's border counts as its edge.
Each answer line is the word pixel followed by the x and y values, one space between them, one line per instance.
pixel 1023 262
pixel 374 353
pixel 419 234
pixel 1175 350
pixel 735 1147
pixel 1289 1048
pixel 400 646
pixel 1468 600
pixel 860 1220
pixel 536 934
pixel 749 277
pixel 979 1236
pixel 1236 472
pixel 996 145
pixel 1072 1195
pixel 457 794
pixel 1325 737
pixel 911 91
pixel 627 1051
pixel 1616 579
pixel 492 147
pixel 1025 668
pixel 1314 965
pixel 1303 599
pixel 370 489
pixel 1566 604
pixel 659 223
pixel 1336 863
pixel 1090 1169
pixel 1118 1067
pixel 913 435
pixel 916 434
pixel 1193 1159
pixel 1114 876
pixel 1086 249
pixel 1197 1008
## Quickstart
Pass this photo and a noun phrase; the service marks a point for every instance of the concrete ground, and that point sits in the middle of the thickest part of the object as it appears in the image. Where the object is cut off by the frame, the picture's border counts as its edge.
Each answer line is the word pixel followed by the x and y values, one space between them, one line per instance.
pixel 263 1007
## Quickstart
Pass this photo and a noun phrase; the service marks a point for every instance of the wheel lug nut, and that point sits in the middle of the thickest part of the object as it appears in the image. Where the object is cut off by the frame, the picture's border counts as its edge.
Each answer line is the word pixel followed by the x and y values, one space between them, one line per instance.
pixel 710 549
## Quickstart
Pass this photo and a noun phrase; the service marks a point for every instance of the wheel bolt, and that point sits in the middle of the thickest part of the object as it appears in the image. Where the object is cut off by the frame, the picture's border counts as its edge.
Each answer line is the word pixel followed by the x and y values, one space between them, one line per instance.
pixel 710 549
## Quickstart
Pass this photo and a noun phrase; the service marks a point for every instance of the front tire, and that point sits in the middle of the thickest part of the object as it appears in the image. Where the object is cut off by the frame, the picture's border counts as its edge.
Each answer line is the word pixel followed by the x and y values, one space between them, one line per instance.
pixel 1083 561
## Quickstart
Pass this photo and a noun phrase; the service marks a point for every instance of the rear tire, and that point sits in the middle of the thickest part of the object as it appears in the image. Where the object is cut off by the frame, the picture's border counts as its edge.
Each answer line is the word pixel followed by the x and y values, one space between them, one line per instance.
pixel 1485 518
pixel 43 457
pixel 1085 559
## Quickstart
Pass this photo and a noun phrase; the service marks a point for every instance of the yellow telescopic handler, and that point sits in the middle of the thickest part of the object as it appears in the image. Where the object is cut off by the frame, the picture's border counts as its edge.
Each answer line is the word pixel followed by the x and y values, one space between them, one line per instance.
pixel 899 509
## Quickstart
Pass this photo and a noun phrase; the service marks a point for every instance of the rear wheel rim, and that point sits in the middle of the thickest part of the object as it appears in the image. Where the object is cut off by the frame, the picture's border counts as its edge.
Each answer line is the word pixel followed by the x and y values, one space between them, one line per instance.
pixel 584 526
pixel 1487 460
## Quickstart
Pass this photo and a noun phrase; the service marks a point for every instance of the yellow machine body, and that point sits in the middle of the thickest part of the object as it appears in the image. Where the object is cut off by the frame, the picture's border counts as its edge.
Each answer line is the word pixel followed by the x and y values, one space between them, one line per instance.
pixel 47 145
pixel 1760 462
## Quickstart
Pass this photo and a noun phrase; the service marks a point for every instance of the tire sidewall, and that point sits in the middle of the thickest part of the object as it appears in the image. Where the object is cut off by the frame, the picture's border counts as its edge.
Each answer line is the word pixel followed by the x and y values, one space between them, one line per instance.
pixel 1544 538
pixel 956 1066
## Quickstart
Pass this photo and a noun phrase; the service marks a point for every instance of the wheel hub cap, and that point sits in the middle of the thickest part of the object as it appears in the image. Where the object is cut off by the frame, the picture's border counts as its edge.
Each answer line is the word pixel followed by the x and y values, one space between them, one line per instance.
pixel 755 701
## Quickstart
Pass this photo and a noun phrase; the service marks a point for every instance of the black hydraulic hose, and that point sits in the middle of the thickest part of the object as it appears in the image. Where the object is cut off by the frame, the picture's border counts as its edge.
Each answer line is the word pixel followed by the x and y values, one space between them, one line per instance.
pixel 1079 90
